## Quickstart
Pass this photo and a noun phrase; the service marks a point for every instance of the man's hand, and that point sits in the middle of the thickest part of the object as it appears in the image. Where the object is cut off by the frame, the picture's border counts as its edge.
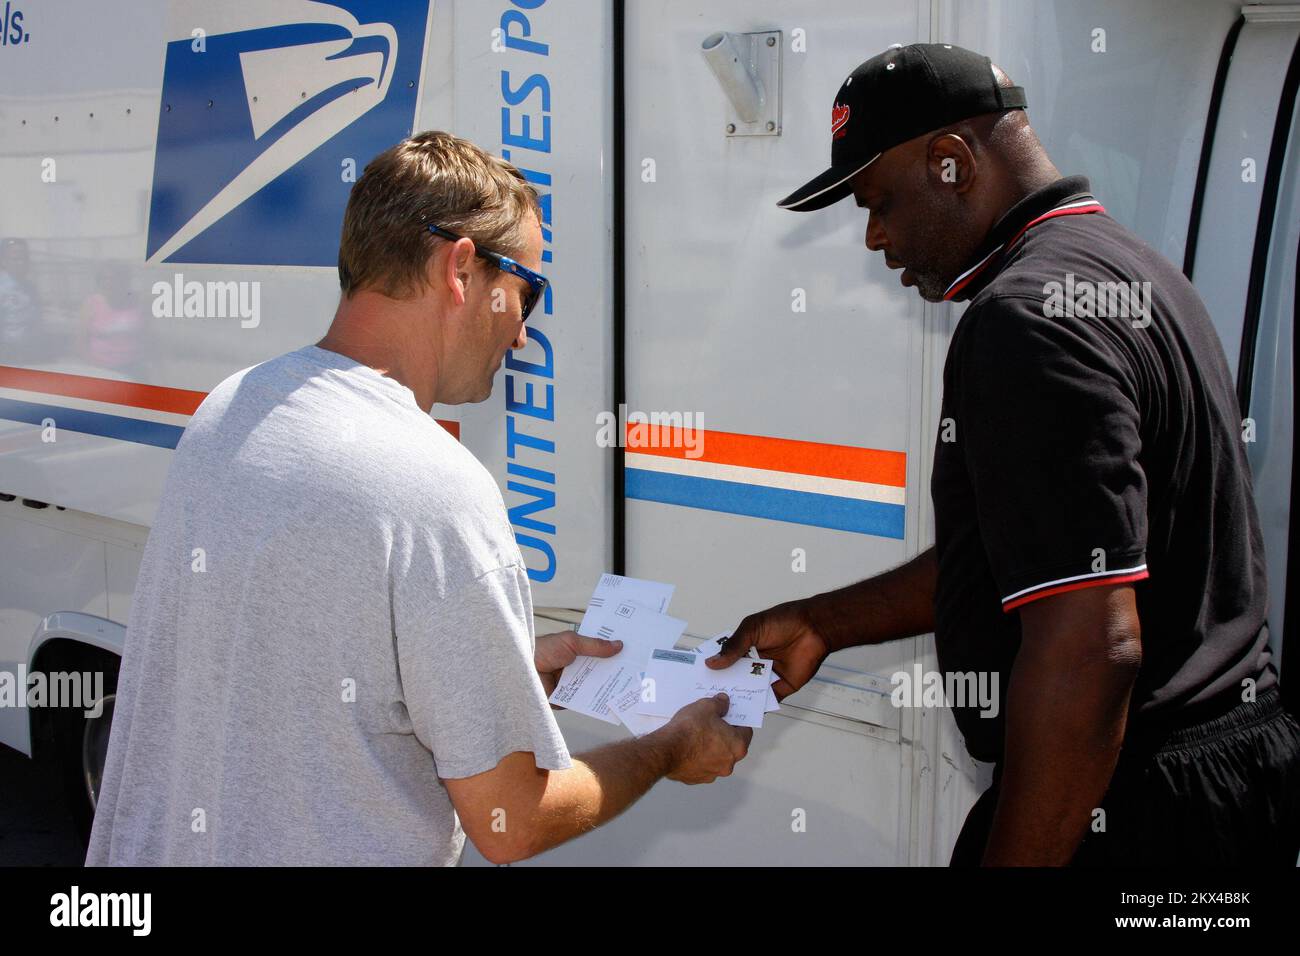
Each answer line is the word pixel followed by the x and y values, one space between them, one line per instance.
pixel 783 634
pixel 517 810
pixel 704 746
pixel 557 651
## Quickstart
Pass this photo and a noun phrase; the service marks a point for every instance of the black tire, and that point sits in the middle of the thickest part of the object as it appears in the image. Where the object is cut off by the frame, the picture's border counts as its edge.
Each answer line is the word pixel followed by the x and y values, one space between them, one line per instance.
pixel 80 743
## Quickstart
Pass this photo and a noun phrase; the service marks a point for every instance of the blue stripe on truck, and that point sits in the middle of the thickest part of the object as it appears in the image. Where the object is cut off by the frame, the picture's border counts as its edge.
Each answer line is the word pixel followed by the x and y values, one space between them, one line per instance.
pixel 93 423
pixel 779 504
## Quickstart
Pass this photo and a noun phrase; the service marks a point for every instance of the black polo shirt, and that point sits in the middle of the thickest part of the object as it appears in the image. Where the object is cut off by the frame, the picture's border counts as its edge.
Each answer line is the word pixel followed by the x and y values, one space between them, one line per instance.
pixel 1090 435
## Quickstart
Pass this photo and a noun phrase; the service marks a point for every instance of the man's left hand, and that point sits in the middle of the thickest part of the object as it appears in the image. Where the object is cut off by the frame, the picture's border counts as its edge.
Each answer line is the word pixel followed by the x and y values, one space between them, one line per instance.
pixel 555 652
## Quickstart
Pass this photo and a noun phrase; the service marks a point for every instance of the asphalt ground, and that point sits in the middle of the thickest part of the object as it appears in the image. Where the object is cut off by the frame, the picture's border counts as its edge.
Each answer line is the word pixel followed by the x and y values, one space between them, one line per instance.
pixel 36 826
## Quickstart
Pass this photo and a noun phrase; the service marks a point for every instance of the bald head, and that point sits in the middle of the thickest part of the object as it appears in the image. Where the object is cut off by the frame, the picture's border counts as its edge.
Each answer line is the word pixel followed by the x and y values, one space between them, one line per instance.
pixel 1005 137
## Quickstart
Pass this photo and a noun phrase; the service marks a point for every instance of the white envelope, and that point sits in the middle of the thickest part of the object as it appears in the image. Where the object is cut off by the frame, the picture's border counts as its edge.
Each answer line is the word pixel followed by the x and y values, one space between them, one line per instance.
pixel 714 646
pixel 624 707
pixel 676 678
pixel 589 684
pixel 612 589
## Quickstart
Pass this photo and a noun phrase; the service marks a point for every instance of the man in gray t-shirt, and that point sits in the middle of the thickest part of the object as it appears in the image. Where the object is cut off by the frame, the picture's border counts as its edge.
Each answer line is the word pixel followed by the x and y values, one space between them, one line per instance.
pixel 330 656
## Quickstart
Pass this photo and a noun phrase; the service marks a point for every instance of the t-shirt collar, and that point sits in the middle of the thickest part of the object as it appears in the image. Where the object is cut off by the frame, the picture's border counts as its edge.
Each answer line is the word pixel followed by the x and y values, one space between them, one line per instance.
pixel 343 363
pixel 1069 195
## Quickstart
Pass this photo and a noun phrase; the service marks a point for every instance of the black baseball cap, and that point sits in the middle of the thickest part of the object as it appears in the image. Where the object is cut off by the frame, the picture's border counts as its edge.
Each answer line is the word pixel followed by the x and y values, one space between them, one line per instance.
pixel 896 96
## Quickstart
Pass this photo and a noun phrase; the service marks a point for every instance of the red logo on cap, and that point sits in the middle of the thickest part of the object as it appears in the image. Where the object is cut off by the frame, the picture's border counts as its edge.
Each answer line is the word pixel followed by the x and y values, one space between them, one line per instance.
pixel 839 116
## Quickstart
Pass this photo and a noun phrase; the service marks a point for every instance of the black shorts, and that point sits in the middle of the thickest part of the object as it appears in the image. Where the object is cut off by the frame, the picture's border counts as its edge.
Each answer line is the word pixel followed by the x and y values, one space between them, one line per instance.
pixel 1222 792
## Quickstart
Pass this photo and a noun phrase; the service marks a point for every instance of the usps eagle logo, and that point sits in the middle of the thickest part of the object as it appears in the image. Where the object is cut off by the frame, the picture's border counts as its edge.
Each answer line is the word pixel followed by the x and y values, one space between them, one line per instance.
pixel 260 110
pixel 839 116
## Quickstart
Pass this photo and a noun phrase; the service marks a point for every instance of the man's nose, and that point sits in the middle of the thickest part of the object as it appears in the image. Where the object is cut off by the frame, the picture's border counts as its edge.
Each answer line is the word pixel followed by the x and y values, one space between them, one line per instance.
pixel 522 338
pixel 876 239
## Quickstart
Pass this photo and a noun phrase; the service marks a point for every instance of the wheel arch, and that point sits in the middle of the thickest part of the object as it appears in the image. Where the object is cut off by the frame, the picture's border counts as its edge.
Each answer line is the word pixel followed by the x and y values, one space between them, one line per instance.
pixel 66 640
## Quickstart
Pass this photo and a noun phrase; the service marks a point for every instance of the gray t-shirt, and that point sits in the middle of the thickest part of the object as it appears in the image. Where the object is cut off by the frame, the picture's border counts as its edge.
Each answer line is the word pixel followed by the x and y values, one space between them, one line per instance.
pixel 332 614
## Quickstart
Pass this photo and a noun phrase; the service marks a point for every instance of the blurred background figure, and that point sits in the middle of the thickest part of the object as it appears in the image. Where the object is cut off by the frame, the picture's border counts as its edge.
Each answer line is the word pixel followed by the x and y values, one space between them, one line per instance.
pixel 20 304
pixel 112 322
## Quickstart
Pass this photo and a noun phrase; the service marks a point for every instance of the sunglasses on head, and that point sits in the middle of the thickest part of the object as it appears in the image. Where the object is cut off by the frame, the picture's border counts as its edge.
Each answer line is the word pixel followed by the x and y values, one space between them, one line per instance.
pixel 537 282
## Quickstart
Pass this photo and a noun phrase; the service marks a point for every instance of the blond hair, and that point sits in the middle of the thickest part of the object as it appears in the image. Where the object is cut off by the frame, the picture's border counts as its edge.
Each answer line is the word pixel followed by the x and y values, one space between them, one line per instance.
pixel 431 177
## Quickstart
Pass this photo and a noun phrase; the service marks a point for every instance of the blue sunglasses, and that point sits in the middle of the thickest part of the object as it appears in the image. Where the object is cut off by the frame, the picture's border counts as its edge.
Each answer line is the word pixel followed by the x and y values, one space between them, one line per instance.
pixel 537 282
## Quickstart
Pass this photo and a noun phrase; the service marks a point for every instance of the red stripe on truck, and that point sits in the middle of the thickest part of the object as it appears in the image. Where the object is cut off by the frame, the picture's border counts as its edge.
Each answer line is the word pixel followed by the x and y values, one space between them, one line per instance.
pixel 154 397
pixel 157 398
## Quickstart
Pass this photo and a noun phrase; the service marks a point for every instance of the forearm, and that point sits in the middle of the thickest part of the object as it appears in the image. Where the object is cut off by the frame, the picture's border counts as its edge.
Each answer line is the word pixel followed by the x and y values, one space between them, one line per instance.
pixel 1065 727
pixel 898 603
pixel 599 786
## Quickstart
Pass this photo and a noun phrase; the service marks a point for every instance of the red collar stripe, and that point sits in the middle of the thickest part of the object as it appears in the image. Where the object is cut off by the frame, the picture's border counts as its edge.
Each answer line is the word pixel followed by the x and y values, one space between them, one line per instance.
pixel 1076 208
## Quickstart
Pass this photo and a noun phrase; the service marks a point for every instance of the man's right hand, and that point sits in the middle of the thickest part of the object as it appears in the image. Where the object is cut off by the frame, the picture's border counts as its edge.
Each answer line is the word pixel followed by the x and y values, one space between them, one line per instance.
pixel 705 746
pixel 782 634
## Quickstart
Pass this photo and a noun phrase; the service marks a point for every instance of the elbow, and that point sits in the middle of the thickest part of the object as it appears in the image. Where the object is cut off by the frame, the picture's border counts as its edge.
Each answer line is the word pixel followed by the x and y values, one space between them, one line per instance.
pixel 1124 655
pixel 498 855
pixel 502 848
pixel 1115 679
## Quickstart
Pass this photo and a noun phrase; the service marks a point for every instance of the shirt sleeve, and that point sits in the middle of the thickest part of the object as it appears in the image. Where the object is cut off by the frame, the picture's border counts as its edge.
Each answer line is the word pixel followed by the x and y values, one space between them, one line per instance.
pixel 467 672
pixel 1050 430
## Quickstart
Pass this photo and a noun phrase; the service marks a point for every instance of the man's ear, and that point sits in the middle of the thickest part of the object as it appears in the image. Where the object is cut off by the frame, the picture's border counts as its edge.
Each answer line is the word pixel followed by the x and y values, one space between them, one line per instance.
pixel 457 268
pixel 951 162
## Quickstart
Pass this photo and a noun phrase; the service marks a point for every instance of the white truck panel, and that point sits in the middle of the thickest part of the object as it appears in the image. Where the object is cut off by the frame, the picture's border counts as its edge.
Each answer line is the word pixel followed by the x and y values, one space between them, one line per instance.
pixel 711 275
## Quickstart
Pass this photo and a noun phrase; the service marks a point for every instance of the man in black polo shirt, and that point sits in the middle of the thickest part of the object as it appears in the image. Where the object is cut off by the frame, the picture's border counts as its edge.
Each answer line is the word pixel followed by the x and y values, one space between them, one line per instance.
pixel 1097 546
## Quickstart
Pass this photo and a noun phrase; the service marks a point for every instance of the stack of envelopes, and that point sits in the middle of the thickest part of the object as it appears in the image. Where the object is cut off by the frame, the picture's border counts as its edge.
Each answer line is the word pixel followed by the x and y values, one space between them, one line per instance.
pixel 650 679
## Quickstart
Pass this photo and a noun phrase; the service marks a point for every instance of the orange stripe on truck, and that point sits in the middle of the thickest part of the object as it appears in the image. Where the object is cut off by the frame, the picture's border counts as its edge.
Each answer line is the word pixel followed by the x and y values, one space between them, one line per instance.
pixel 155 397
pixel 158 398
pixel 873 465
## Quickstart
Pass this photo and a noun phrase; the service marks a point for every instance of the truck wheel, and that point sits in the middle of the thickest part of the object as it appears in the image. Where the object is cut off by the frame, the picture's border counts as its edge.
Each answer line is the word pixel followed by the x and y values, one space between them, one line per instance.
pixel 81 745
pixel 94 748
